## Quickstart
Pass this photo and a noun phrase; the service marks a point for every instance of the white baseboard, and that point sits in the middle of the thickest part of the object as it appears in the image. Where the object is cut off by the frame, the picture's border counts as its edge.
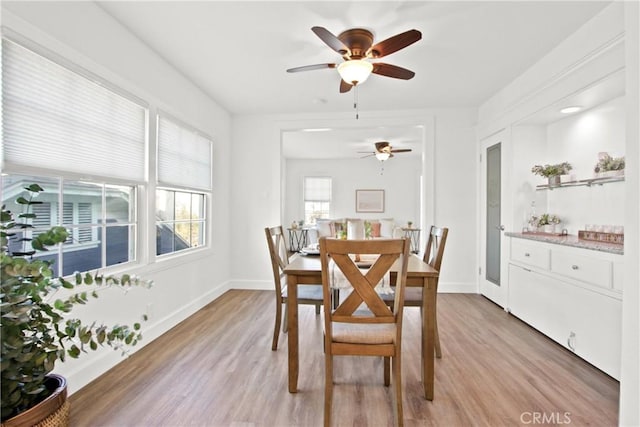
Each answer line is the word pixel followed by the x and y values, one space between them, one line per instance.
pixel 457 288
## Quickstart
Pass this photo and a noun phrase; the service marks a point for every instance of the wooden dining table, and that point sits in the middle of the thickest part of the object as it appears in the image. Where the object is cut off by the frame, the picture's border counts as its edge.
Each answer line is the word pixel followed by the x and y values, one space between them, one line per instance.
pixel 306 270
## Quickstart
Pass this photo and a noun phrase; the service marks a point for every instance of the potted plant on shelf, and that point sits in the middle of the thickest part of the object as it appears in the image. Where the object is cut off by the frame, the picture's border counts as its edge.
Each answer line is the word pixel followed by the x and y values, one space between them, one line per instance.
pixel 552 172
pixel 548 222
pixel 36 331
pixel 608 166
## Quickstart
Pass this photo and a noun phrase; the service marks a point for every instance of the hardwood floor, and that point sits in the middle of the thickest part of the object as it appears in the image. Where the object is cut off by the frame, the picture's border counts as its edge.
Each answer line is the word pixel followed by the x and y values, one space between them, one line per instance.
pixel 217 369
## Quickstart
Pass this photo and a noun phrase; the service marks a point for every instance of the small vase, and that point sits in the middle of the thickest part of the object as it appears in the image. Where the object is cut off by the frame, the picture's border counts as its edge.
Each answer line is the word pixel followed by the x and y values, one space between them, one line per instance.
pixel 554 181
pixel 550 228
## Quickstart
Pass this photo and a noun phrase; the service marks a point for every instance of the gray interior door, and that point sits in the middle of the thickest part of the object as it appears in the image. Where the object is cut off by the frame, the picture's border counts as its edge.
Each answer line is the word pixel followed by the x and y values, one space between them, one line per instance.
pixel 494 228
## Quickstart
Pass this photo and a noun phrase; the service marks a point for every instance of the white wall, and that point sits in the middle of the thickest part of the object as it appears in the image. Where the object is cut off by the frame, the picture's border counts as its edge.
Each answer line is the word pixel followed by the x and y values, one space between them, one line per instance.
pixel 449 189
pixel 81 32
pixel 399 179
pixel 630 366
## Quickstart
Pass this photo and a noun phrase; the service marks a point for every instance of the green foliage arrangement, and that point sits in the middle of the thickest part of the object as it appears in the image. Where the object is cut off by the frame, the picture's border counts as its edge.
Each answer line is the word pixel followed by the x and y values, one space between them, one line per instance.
pixel 552 170
pixel 608 163
pixel 536 221
pixel 36 329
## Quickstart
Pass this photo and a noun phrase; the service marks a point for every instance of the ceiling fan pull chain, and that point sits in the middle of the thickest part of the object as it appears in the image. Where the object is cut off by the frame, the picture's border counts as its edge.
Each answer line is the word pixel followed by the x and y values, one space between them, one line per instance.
pixel 355 100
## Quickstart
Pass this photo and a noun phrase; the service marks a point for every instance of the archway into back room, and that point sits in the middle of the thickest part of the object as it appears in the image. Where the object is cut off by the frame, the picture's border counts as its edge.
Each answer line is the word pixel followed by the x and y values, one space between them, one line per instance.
pixel 332 147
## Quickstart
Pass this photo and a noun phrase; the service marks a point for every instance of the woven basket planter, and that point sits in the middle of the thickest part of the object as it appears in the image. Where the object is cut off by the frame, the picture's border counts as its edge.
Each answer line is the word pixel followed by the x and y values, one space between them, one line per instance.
pixel 51 412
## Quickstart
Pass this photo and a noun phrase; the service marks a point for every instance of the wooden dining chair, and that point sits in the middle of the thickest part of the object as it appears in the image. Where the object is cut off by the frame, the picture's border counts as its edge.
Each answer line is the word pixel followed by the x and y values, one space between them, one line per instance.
pixel 433 254
pixel 308 294
pixel 362 324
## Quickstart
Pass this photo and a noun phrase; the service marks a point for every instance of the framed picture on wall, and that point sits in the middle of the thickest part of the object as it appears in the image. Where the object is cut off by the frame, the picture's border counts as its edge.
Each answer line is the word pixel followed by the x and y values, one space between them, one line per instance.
pixel 369 200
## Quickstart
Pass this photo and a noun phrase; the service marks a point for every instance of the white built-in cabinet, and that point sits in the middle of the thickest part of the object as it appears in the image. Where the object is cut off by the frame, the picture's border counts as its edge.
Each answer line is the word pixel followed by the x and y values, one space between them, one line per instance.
pixel 572 295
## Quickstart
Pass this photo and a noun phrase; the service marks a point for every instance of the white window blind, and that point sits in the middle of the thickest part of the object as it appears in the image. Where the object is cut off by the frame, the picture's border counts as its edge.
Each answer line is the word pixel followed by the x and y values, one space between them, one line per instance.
pixel 57 119
pixel 184 156
pixel 317 189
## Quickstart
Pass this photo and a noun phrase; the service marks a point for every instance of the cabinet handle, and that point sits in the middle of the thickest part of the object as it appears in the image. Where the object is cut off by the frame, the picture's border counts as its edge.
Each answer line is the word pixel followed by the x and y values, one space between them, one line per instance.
pixel 574 267
pixel 527 254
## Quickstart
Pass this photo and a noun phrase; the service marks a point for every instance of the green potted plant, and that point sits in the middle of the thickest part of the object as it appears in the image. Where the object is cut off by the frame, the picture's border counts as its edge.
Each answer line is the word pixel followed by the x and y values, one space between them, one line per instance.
pixel 36 328
pixel 552 172
pixel 609 166
pixel 548 222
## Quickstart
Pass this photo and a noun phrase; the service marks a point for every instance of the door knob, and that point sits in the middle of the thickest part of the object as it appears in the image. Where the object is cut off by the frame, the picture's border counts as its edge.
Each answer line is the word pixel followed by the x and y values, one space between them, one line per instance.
pixel 500 227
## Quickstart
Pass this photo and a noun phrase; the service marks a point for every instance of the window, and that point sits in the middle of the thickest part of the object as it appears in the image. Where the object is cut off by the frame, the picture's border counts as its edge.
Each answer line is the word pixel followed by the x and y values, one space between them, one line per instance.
pixel 98 237
pixel 317 198
pixel 180 222
pixel 59 123
pixel 184 184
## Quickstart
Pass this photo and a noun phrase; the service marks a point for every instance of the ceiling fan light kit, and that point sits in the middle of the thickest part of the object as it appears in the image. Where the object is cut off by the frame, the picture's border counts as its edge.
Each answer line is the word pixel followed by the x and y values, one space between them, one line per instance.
pixel 382 156
pixel 355 71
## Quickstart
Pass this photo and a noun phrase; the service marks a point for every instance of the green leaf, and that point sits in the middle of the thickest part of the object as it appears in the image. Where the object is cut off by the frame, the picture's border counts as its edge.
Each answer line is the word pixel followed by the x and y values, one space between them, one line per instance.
pixel 66 284
pixel 88 279
pixel 34 188
pixel 74 351
pixel 37 245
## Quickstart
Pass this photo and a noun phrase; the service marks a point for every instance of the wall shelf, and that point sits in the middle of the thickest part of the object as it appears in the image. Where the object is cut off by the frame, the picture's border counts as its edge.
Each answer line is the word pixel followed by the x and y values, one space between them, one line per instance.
pixel 582 182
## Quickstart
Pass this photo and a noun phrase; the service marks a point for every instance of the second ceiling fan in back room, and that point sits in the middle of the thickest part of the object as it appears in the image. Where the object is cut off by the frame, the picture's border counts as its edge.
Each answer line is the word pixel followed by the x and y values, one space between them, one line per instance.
pixel 384 150
pixel 356 48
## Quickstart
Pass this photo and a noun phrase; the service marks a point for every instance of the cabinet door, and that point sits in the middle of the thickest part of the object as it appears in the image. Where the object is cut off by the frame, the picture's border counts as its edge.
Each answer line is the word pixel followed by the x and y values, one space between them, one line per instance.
pixel 586 322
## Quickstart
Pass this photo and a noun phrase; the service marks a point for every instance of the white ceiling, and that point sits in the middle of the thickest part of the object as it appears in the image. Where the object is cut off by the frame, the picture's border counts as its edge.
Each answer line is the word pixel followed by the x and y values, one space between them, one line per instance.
pixel 238 51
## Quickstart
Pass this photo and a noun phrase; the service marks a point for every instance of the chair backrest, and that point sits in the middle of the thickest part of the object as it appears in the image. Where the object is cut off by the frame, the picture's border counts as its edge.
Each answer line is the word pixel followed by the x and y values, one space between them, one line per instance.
pixel 390 253
pixel 435 246
pixel 278 253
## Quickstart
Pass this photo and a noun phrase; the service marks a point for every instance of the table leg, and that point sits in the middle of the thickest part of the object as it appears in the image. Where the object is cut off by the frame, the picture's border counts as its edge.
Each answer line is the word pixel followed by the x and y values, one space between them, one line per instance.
pixel 428 332
pixel 292 322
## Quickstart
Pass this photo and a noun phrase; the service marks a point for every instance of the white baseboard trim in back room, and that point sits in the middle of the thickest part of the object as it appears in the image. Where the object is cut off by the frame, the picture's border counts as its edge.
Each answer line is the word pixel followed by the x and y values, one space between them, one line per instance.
pixel 443 287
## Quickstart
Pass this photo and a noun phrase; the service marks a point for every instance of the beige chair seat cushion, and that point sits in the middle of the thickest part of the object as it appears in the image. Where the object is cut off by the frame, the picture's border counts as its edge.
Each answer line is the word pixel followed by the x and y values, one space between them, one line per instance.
pixel 358 333
pixel 367 333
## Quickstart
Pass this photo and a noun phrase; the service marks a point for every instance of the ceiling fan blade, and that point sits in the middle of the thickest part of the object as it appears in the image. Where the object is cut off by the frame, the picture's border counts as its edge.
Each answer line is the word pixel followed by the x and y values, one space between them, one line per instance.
pixel 368 155
pixel 401 150
pixel 394 71
pixel 310 67
pixel 344 86
pixel 394 44
pixel 331 40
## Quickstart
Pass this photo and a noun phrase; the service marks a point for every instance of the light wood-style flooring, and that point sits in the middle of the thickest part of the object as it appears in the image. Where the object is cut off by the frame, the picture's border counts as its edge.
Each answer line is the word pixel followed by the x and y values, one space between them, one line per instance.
pixel 217 369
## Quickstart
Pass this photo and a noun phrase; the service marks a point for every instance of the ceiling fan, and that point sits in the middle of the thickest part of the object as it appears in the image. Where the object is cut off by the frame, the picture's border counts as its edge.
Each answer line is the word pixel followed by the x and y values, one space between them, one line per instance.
pixel 384 150
pixel 356 46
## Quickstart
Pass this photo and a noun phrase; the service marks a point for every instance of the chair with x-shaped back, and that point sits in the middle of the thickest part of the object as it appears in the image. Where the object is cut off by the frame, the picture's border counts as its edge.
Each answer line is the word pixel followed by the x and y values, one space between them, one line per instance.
pixel 353 330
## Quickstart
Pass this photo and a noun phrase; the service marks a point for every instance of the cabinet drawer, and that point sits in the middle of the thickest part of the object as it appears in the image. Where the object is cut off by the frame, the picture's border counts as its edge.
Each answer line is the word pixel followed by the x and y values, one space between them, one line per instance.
pixel 584 268
pixel 528 253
